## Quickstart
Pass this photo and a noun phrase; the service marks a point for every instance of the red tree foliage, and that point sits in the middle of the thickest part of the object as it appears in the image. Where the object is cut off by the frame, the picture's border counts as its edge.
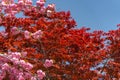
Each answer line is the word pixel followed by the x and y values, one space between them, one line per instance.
pixel 77 54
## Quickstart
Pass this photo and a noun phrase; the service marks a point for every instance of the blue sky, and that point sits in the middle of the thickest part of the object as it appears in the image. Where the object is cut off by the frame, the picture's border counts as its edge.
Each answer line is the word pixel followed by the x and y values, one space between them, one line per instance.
pixel 96 14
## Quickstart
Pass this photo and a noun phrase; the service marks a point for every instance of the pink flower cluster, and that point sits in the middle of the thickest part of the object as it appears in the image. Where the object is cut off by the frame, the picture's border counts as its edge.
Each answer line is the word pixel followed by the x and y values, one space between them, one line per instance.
pixel 24 2
pixel 50 9
pixel 14 31
pixel 19 69
pixel 36 35
pixel 13 63
pixel 10 8
pixel 40 5
pixel 7 2
pixel 12 55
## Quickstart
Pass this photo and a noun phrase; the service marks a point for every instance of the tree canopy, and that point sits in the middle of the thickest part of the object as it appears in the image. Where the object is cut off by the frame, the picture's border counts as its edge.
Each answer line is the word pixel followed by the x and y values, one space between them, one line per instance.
pixel 46 45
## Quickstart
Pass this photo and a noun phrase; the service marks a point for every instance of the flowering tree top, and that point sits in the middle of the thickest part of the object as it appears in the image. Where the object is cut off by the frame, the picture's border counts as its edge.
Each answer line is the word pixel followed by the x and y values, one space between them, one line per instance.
pixel 10 8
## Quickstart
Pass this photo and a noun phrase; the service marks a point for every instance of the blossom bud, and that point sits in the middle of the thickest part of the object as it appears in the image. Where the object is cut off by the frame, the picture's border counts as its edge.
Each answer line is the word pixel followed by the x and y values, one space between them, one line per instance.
pixel 41 74
pixel 37 34
pixel 27 34
pixel 48 63
pixel 15 31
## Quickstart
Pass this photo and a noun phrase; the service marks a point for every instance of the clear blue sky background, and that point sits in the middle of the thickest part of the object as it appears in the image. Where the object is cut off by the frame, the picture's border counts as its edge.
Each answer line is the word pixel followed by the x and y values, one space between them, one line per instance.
pixel 96 14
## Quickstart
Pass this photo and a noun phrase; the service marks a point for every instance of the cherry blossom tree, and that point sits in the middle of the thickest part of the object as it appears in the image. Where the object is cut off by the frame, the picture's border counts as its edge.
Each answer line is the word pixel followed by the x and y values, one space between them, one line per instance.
pixel 46 45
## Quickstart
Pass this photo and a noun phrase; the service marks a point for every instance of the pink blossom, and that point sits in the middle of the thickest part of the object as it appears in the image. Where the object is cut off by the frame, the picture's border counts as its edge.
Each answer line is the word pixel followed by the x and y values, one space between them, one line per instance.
pixel 4 34
pixel 22 62
pixel 13 6
pixel 3 3
pixel 12 13
pixel 24 2
pixel 24 54
pixel 14 70
pixel 28 2
pixel 27 34
pixel 7 10
pixel 37 34
pixel 0 19
pixel 11 10
pixel 16 54
pixel 20 2
pixel 40 3
pixel 41 74
pixel 15 60
pixel 2 75
pixel 48 63
pixel 7 2
pixel 0 9
pixel 5 66
pixel 21 78
pixel 33 78
pixel 27 75
pixel 42 10
pixel 51 6
pixel 15 31
pixel 28 66
pixel 49 13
